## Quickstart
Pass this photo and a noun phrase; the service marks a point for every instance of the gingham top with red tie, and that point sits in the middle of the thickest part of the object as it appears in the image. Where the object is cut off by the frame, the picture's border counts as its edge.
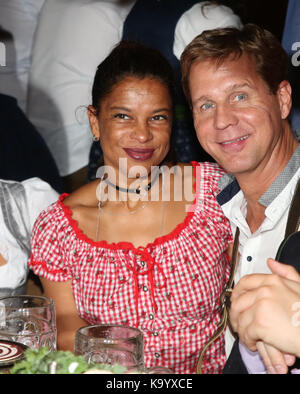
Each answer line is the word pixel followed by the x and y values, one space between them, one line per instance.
pixel 169 289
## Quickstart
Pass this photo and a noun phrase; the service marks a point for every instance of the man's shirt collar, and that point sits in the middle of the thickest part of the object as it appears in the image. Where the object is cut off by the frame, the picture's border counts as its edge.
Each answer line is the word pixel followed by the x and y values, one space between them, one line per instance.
pixel 229 186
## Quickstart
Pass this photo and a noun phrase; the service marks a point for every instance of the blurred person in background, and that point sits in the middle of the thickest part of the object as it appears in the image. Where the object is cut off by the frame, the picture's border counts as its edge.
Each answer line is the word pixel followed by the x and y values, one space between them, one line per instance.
pixel 291 43
pixel 71 38
pixel 18 18
pixel 20 205
pixel 23 152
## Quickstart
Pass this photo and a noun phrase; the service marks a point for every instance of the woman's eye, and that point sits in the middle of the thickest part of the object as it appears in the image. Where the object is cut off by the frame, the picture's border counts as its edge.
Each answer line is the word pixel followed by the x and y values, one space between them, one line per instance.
pixel 121 116
pixel 159 117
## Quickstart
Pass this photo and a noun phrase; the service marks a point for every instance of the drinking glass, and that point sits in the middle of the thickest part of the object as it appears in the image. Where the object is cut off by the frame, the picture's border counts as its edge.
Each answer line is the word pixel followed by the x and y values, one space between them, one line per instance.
pixel 29 320
pixel 111 344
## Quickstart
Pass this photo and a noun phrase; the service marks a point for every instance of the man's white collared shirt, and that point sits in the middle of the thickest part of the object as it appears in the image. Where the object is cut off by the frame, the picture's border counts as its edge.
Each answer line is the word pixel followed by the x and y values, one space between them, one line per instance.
pixel 256 248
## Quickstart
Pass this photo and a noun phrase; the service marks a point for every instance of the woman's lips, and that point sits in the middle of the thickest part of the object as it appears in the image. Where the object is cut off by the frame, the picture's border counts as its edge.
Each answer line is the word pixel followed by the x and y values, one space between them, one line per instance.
pixel 139 154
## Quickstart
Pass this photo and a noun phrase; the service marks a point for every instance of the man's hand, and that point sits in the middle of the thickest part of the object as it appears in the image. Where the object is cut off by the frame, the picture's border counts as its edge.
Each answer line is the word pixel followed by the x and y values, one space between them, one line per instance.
pixel 265 312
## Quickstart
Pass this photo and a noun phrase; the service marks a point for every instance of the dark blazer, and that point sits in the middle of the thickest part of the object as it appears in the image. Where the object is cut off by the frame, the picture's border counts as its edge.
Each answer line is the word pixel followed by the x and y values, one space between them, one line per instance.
pixel 23 152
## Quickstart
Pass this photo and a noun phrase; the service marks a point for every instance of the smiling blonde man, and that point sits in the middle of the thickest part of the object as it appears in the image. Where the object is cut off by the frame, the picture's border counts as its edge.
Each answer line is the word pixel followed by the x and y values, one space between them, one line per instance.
pixel 235 81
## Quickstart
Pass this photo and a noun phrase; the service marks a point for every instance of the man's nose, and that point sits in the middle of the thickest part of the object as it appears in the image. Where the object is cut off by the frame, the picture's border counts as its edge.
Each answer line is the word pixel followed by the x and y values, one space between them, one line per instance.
pixel 224 117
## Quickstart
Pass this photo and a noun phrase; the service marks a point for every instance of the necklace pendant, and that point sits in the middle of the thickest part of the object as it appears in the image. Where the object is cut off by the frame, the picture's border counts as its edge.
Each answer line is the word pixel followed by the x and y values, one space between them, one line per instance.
pixel 143 192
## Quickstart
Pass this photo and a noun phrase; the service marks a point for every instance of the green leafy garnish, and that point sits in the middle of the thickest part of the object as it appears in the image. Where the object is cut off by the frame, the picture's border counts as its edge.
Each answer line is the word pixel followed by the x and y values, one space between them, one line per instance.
pixel 39 362
pixel 43 361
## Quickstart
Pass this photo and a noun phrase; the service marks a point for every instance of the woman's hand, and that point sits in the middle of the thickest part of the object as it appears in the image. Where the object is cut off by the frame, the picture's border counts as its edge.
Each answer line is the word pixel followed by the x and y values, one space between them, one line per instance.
pixel 265 312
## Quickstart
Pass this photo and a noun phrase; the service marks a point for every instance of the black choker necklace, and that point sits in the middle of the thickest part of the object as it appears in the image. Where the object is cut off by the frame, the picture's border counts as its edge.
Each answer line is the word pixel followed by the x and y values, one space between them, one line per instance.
pixel 138 189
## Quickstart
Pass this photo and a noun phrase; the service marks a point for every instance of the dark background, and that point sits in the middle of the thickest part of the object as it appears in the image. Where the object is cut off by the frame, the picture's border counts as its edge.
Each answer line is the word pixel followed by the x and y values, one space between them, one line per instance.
pixel 269 14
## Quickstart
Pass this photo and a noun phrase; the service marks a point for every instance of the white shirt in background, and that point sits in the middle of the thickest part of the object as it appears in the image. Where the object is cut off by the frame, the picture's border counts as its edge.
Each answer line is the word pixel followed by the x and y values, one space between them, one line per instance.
pixel 73 38
pixel 19 18
pixel 20 213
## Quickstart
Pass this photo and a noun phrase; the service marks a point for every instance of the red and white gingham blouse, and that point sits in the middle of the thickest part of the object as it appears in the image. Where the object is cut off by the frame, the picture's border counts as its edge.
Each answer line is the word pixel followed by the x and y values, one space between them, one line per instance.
pixel 170 289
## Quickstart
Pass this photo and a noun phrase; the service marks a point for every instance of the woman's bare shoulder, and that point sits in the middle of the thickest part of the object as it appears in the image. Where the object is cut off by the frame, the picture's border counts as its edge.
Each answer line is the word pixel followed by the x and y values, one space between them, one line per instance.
pixel 84 197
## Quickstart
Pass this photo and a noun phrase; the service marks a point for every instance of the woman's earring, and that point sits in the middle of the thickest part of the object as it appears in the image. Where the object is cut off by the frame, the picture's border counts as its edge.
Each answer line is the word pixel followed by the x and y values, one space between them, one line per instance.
pixel 95 139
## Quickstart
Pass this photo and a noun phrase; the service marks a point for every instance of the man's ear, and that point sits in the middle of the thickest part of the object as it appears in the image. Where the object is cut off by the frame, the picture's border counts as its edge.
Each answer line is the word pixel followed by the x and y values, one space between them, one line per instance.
pixel 94 122
pixel 284 95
